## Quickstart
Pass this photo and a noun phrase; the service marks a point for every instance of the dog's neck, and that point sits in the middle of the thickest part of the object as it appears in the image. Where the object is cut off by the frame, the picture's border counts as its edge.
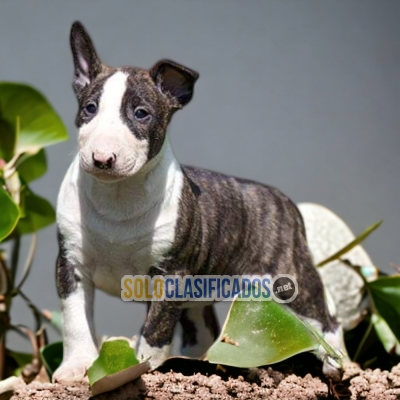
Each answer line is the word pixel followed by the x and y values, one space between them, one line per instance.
pixel 135 196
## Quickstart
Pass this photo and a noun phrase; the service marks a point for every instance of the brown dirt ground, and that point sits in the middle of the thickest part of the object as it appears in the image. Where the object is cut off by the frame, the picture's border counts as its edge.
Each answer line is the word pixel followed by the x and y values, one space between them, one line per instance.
pixel 179 379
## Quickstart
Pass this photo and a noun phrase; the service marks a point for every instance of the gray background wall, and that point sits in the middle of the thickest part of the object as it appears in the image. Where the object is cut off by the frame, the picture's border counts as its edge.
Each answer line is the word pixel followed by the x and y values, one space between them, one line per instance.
pixel 303 95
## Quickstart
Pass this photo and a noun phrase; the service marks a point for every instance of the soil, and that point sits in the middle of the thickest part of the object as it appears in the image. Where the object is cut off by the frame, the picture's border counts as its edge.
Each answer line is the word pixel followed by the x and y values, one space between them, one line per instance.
pixel 179 379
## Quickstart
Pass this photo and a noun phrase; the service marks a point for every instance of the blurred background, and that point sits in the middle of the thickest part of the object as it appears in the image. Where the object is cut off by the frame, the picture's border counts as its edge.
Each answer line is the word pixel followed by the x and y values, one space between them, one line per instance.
pixel 302 95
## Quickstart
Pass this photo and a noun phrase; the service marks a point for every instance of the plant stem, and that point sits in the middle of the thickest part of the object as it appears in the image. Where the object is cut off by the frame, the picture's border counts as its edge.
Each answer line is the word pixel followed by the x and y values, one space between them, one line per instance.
pixel 2 356
pixel 363 340
pixel 28 262
pixel 5 300
pixel 4 325
pixel 37 314
pixel 14 259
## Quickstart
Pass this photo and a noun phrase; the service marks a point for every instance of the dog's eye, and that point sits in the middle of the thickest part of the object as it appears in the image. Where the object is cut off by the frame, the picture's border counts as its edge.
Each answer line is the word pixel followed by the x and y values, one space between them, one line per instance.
pixel 90 108
pixel 141 113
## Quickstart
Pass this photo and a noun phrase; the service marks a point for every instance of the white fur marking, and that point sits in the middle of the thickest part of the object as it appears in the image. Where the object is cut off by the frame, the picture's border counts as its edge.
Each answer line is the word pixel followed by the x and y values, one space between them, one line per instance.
pixel 157 355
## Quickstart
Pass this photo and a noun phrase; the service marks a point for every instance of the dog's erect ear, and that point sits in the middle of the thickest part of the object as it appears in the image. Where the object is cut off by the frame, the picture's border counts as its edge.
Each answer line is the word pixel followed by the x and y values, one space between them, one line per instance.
pixel 174 79
pixel 87 64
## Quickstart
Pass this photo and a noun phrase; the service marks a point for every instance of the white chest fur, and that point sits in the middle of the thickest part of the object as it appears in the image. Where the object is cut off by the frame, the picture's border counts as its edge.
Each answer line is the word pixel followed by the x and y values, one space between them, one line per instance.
pixel 113 229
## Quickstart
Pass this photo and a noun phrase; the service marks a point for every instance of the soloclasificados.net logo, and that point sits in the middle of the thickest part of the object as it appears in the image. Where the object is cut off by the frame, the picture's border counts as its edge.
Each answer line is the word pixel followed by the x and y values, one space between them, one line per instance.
pixel 281 288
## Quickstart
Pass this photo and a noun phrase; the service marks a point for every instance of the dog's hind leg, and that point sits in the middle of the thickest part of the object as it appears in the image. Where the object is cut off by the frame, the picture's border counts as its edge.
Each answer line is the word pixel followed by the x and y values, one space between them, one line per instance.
pixel 158 331
pixel 199 329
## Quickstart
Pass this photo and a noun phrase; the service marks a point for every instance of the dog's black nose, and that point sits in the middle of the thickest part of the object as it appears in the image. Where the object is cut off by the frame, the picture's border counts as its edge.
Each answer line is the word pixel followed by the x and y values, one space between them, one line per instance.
pixel 104 162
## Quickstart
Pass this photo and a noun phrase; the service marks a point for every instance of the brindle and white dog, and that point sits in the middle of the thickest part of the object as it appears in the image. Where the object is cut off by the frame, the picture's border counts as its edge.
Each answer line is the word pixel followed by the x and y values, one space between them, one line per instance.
pixel 127 207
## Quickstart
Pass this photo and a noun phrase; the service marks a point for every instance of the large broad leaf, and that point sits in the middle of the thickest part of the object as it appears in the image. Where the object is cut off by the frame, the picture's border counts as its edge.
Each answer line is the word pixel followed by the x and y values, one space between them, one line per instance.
pixel 37 213
pixel 385 292
pixel 33 167
pixel 116 365
pixel 9 214
pixel 261 332
pixel 26 111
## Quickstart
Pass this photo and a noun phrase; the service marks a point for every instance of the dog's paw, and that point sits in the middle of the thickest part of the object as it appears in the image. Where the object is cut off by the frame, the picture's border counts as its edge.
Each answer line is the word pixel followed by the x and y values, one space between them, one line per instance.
pixel 332 369
pixel 74 372
pixel 155 355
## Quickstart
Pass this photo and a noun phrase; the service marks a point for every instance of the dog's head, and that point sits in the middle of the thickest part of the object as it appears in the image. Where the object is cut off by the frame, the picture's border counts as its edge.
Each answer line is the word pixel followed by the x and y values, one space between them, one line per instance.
pixel 123 112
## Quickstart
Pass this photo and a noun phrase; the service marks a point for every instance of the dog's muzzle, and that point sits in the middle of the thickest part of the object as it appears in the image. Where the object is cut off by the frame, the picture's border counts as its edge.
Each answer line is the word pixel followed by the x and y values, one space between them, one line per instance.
pixel 104 162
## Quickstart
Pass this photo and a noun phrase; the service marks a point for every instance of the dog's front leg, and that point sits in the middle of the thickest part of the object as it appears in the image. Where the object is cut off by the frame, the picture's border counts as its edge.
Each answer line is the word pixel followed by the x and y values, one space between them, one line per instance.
pixel 77 295
pixel 158 331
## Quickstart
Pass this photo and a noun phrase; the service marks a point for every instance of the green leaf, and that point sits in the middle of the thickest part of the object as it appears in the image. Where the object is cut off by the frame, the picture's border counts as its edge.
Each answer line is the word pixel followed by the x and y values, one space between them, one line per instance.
pixel 385 293
pixel 7 143
pixel 385 334
pixel 115 356
pixel 24 109
pixel 33 167
pixel 116 365
pixel 9 214
pixel 37 213
pixel 261 332
pixel 52 355
pixel 114 381
pixel 359 239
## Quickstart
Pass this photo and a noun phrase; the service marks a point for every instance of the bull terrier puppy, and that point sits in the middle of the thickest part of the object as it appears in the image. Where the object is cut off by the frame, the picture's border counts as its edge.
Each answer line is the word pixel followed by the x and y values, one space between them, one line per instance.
pixel 127 207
